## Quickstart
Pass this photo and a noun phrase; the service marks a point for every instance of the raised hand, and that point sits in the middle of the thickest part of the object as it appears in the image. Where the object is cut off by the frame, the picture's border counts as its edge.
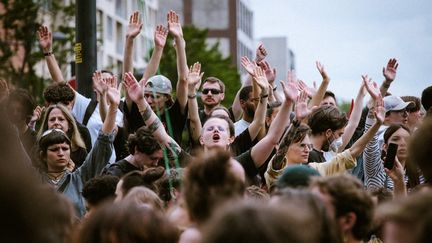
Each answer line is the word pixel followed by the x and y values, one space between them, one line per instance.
pixel 371 87
pixel 134 26
pixel 194 77
pixel 160 35
pixel 270 73
pixel 261 80
pixel 37 112
pixel 174 25
pixel 379 111
pixel 248 65
pixel 390 71
pixel 301 107
pixel 99 83
pixel 113 94
pixel 310 91
pixel 261 53
pixel 322 71
pixel 291 77
pixel 134 89
pixel 290 90
pixel 45 38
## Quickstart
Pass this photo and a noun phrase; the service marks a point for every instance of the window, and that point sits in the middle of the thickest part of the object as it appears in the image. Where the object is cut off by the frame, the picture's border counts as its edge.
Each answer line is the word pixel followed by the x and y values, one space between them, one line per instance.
pixel 109 28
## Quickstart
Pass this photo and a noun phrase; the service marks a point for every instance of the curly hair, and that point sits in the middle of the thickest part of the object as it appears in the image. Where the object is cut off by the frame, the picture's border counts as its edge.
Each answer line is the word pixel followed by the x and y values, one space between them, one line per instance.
pixel 59 93
pixel 327 117
pixel 143 141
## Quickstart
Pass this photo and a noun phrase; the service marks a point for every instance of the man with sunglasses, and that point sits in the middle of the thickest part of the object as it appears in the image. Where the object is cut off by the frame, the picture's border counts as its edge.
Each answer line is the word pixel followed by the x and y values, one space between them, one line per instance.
pixel 213 93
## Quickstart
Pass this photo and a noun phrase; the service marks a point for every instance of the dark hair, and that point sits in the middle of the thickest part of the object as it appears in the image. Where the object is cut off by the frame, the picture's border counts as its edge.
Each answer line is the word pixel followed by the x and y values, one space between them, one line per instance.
pixel 328 93
pixel 426 98
pixel 216 80
pixel 54 137
pixel 392 129
pixel 348 195
pixel 143 141
pixel 244 93
pixel 106 71
pixel 415 103
pixel 59 93
pixel 171 179
pixel 327 117
pixel 419 149
pixel 227 119
pixel 127 222
pixel 297 135
pixel 23 97
pixel 145 178
pixel 209 182
pixel 99 189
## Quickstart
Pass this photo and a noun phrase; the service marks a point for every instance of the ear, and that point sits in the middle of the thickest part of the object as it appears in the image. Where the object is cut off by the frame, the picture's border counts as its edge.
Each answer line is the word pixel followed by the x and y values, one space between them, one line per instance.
pixel 347 222
pixel 231 140
pixel 328 133
pixel 222 96
pixel 201 140
pixel 384 147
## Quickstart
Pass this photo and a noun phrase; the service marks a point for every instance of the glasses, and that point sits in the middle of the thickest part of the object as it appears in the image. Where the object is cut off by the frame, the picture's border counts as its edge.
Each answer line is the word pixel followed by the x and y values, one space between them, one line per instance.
pixel 213 91
pixel 305 145
pixel 403 112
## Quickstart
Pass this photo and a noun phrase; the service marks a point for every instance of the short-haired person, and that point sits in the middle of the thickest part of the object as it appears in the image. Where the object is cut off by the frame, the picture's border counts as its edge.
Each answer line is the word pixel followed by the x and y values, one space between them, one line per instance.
pixel 158 88
pixel 213 93
pixel 328 99
pixel 98 190
pixel 327 125
pixel 144 153
pixel 55 150
pixel 248 106
pixel 426 100
pixel 348 203
pixel 415 112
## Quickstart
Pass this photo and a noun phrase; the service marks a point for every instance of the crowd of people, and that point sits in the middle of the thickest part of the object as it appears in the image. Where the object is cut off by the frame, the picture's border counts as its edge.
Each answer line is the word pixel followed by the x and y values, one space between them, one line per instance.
pixel 140 164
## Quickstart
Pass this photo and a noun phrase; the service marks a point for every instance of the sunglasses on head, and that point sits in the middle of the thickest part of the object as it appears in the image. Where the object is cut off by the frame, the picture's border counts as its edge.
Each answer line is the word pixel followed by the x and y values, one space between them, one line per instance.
pixel 213 91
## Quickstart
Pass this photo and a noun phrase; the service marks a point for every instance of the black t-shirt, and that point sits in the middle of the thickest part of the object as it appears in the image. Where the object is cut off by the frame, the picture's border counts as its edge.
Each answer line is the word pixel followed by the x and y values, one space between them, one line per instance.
pixel 242 143
pixel 316 156
pixel 119 168
pixel 85 135
pixel 177 119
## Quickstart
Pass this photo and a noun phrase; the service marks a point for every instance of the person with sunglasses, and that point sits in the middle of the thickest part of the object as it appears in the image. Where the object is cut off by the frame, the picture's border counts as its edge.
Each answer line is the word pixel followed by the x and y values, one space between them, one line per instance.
pixel 213 93
pixel 54 149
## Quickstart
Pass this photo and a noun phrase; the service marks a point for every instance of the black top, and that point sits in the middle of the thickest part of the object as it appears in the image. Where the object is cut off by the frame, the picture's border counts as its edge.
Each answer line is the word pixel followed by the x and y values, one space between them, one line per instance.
pixel 119 168
pixel 85 135
pixel 316 156
pixel 134 120
pixel 242 143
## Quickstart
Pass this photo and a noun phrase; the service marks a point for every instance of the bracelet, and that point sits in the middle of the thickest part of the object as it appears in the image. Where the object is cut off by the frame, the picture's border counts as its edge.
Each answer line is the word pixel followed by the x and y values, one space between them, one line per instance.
pixel 192 96
pixel 47 54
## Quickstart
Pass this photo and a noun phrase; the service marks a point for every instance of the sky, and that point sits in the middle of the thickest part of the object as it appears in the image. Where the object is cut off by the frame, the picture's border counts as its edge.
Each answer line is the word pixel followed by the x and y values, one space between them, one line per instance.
pixel 351 38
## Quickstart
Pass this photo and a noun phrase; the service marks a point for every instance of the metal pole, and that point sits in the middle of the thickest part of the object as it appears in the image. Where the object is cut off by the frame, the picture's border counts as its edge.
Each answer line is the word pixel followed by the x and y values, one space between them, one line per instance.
pixel 85 46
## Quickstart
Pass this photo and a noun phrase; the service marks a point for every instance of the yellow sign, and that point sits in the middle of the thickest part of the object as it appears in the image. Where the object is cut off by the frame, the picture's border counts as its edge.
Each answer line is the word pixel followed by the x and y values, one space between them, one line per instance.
pixel 78 53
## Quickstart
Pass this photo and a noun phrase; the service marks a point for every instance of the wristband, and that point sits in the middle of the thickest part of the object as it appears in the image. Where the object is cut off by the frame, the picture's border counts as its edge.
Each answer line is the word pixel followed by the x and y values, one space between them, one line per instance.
pixel 47 54
pixel 192 96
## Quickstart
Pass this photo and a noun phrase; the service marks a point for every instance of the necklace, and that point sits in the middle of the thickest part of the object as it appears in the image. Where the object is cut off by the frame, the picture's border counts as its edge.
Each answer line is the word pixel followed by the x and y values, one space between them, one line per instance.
pixel 55 177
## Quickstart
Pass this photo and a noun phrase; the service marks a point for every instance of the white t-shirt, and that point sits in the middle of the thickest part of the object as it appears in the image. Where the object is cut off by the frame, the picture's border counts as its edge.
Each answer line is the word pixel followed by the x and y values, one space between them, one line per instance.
pixel 94 124
pixel 240 126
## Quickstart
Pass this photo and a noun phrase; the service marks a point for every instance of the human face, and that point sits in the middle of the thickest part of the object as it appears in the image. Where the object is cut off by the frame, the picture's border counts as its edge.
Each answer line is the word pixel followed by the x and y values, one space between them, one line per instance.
pixel 145 160
pixel 156 101
pixel 58 156
pixel 330 137
pixel 299 152
pixel 397 117
pixel 210 99
pixel 414 118
pixel 328 101
pixel 56 119
pixel 270 119
pixel 215 134
pixel 248 106
pixel 400 137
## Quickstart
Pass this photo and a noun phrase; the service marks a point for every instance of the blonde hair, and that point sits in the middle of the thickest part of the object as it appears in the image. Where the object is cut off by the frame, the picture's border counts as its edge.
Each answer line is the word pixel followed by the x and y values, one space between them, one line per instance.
pixel 73 133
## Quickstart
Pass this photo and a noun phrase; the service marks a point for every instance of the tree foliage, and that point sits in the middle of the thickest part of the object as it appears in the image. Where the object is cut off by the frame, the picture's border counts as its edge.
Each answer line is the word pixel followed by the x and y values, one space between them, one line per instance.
pixel 19 51
pixel 212 61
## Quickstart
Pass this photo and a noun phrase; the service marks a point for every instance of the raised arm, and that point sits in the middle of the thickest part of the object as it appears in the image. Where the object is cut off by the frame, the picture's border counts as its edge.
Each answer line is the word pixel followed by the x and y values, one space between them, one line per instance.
pixel 261 151
pixel 175 29
pixel 160 37
pixel 133 30
pixel 319 95
pixel 45 42
pixel 389 73
pixel 152 122
pixel 194 82
pixel 354 118
pixel 258 122
pixel 379 114
pixel 271 77
pixel 260 53
pixel 100 87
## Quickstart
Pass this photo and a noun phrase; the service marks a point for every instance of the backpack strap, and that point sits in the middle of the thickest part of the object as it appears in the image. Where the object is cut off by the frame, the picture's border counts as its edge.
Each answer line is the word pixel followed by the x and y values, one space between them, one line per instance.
pixel 89 111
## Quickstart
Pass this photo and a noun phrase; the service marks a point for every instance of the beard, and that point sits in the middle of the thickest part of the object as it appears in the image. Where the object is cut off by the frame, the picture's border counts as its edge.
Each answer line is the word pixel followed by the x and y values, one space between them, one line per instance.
pixel 250 112
pixel 326 146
